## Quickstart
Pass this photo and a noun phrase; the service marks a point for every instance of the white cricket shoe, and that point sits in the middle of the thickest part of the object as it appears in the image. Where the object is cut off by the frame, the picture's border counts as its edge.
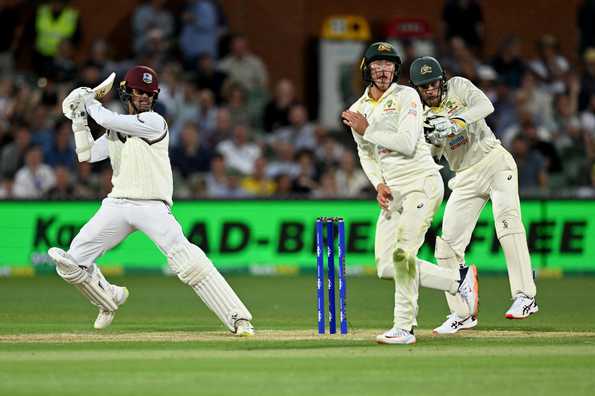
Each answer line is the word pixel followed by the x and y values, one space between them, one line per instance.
pixel 521 308
pixel 396 336
pixel 105 318
pixel 244 328
pixel 469 290
pixel 454 323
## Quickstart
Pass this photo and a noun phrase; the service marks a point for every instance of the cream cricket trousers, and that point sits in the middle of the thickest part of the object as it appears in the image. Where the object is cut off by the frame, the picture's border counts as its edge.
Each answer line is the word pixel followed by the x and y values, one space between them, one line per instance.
pixel 495 177
pixel 116 219
pixel 400 232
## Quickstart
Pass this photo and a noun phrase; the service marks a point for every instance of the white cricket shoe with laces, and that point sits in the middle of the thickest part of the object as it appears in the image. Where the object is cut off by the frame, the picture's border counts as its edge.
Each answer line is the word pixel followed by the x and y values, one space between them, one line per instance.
pixel 396 336
pixel 105 318
pixel 521 308
pixel 469 291
pixel 244 328
pixel 454 323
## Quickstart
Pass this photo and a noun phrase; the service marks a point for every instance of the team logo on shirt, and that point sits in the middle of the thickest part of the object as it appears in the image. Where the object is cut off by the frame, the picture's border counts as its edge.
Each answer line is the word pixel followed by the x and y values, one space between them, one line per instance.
pixel 147 78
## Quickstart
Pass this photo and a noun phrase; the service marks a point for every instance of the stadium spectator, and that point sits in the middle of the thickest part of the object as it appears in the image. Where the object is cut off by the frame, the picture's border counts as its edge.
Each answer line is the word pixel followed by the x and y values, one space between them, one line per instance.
pixel 587 84
pixel 190 156
pixel 351 180
pixel 236 101
pixel 207 112
pixel 35 178
pixel 55 22
pixel 283 162
pixel 216 180
pixel 186 110
pixel 200 30
pixel 61 152
pixel 63 189
pixel 208 77
pixel 12 156
pixel 464 19
pixel 223 128
pixel 244 67
pixel 6 187
pixel 86 185
pixel 239 152
pixel 151 21
pixel 550 65
pixel 305 181
pixel 276 112
pixel 534 98
pixel 300 133
pixel 508 62
pixel 327 187
pixel 258 183
pixel 459 60
pixel 531 166
pixel 12 23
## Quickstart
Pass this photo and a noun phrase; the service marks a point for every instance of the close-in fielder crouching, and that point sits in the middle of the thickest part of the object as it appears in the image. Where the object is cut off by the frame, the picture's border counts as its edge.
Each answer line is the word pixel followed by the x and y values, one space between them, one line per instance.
pixel 455 111
pixel 141 199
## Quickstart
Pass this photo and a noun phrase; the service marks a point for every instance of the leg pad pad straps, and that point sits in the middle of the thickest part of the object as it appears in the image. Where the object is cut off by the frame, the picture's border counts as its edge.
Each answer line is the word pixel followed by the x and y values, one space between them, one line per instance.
pixel 90 283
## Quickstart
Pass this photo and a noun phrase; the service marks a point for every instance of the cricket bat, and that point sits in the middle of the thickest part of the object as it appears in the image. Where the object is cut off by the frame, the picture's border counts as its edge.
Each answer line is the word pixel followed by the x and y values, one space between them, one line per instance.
pixel 102 89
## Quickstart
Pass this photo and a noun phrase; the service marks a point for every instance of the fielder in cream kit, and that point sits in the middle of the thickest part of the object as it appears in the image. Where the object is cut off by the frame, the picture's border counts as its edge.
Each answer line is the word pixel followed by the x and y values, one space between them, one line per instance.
pixel 141 199
pixel 386 123
pixel 454 113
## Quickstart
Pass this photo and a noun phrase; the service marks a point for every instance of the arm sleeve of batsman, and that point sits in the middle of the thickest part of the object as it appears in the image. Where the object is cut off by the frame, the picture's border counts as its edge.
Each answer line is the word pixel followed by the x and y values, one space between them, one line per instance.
pixel 368 161
pixel 478 104
pixel 100 150
pixel 148 125
pixel 399 132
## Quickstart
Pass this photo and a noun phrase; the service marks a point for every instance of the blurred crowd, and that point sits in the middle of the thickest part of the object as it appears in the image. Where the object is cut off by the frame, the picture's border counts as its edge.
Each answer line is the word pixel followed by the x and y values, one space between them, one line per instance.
pixel 234 133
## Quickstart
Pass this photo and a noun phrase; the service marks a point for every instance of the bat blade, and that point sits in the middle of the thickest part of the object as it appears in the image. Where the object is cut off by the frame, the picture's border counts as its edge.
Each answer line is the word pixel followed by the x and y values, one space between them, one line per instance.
pixel 102 89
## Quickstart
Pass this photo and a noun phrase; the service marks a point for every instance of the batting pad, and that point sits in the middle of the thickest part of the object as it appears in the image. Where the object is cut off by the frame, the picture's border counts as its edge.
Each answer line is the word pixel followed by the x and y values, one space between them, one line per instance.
pixel 216 293
pixel 90 282
pixel 195 269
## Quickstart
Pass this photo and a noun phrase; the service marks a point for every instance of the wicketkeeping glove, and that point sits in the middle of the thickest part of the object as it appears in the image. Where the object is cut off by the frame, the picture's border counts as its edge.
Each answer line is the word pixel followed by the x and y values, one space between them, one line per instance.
pixel 445 126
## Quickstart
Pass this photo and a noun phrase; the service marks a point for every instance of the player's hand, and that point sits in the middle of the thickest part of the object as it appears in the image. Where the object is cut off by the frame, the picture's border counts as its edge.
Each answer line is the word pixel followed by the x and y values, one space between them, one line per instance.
pixel 445 126
pixel 72 102
pixel 355 121
pixel 383 196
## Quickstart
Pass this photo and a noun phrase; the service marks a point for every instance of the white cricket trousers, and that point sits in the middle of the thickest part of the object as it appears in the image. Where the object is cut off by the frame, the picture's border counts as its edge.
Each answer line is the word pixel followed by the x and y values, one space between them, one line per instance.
pixel 403 228
pixel 116 219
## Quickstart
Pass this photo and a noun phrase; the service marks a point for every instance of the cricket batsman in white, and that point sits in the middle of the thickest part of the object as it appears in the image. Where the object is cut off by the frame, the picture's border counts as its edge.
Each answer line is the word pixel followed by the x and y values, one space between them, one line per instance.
pixel 141 199
pixel 386 123
pixel 454 113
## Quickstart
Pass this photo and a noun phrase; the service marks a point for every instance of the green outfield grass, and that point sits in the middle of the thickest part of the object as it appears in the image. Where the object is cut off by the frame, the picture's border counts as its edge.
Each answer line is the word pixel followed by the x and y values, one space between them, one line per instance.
pixel 165 342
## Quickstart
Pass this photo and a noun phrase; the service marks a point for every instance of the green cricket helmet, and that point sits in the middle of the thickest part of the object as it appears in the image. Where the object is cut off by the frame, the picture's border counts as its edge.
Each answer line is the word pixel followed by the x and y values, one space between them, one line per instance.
pixel 379 51
pixel 426 69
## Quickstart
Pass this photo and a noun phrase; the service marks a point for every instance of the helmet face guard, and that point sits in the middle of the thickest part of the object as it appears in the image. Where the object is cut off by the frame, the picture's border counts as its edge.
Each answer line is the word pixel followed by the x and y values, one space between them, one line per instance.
pixel 423 71
pixel 142 78
pixel 379 51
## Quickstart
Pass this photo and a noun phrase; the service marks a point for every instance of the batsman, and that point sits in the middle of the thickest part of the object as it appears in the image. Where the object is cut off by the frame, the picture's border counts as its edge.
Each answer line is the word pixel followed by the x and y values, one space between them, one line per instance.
pixel 454 114
pixel 136 144
pixel 387 125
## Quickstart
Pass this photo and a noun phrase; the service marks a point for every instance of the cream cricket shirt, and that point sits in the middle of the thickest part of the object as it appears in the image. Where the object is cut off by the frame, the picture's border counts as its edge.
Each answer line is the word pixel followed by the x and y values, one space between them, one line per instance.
pixel 393 150
pixel 465 101
pixel 137 146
